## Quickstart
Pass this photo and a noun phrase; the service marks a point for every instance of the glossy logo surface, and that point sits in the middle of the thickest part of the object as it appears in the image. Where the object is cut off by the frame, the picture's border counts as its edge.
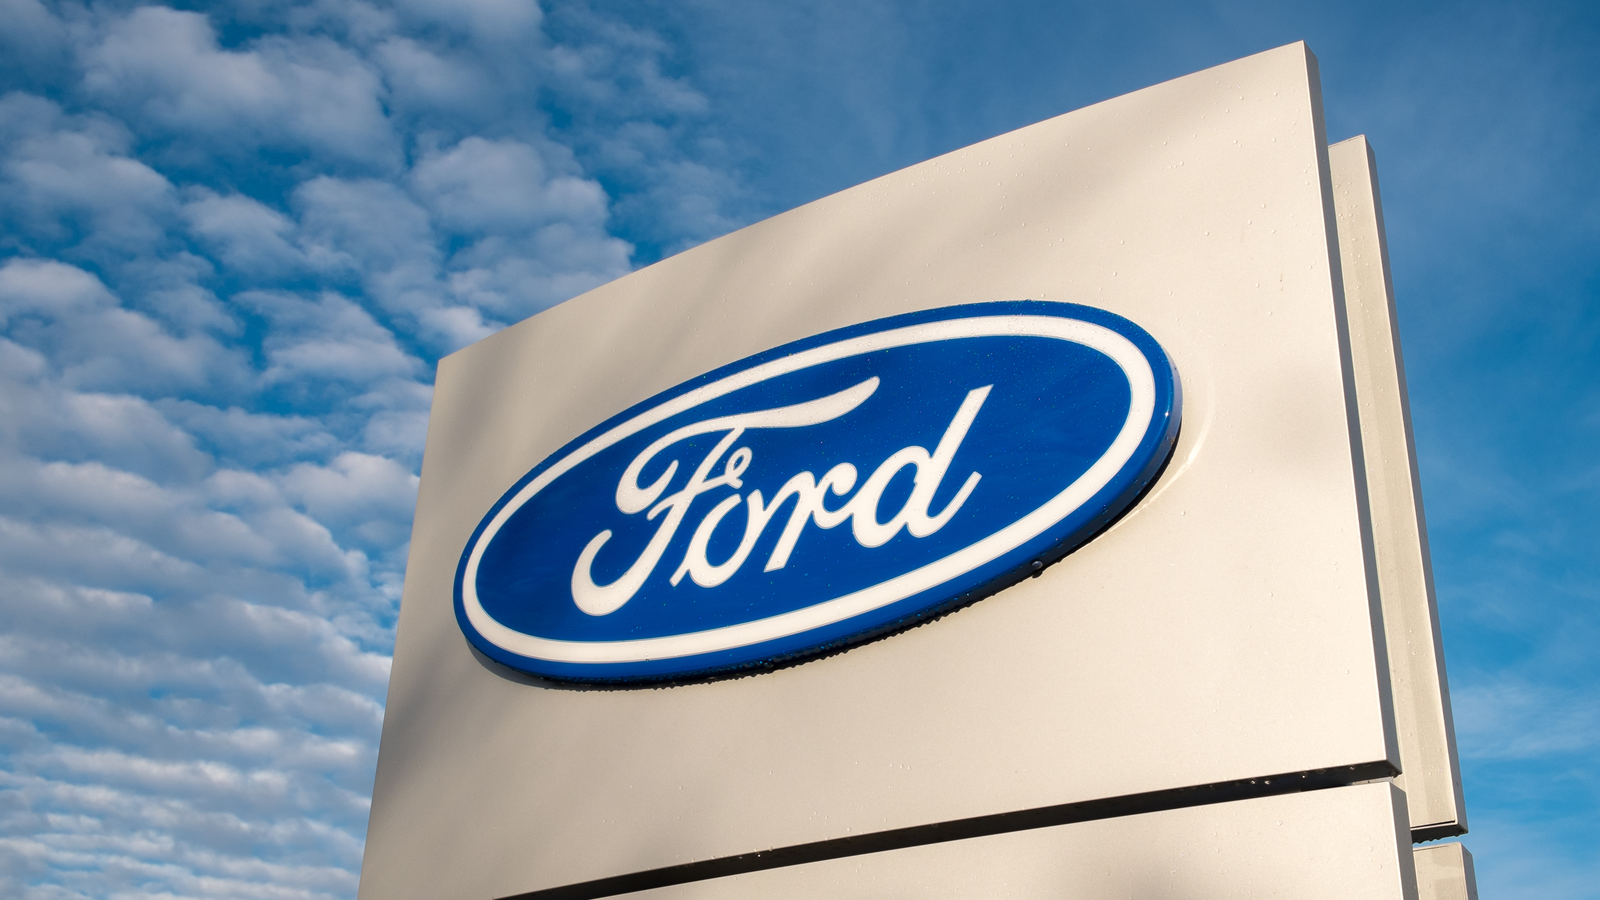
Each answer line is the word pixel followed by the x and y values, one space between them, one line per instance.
pixel 820 493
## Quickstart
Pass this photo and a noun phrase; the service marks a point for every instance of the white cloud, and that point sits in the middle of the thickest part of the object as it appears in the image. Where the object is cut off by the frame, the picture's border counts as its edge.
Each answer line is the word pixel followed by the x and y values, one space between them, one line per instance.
pixel 373 229
pixel 367 224
pixel 241 437
pixel 481 186
pixel 31 32
pixel 49 423
pixel 20 364
pixel 1509 718
pixel 327 338
pixel 305 92
pixel 63 173
pixel 453 327
pixel 420 78
pixel 50 289
pixel 534 239
pixel 539 235
pixel 247 235
pixel 487 21
pixel 96 343
pixel 367 497
pixel 516 278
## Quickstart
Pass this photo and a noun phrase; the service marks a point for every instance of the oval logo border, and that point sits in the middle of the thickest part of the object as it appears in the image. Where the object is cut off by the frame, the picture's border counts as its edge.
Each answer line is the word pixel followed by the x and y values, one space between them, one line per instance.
pixel 1064 522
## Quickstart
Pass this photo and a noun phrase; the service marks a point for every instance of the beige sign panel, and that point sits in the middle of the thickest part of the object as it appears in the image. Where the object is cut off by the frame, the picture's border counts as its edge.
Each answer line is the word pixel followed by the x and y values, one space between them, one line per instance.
pixel 1222 638
pixel 1444 872
pixel 1324 845
pixel 1431 772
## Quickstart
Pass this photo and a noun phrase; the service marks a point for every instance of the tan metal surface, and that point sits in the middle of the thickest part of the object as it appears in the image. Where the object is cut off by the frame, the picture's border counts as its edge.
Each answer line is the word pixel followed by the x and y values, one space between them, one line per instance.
pixel 1431 772
pixel 1323 845
pixel 1444 872
pixel 1223 629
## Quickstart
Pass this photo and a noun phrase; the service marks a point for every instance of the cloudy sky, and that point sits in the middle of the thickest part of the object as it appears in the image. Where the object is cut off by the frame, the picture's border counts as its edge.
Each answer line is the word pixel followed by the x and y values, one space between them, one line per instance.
pixel 235 240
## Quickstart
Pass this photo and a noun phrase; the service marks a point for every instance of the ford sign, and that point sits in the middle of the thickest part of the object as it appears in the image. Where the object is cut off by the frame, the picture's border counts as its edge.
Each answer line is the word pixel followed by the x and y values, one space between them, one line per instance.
pixel 820 493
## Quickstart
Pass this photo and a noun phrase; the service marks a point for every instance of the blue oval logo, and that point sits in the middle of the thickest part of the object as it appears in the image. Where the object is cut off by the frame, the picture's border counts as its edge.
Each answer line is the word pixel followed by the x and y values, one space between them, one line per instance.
pixel 820 493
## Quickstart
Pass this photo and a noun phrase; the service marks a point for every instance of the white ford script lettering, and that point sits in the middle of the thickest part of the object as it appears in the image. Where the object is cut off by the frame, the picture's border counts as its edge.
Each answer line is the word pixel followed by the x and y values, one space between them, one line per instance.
pixel 809 493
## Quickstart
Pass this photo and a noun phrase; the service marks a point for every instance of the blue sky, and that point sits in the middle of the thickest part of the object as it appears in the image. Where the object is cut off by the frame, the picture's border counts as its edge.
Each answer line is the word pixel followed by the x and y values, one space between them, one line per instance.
pixel 234 240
